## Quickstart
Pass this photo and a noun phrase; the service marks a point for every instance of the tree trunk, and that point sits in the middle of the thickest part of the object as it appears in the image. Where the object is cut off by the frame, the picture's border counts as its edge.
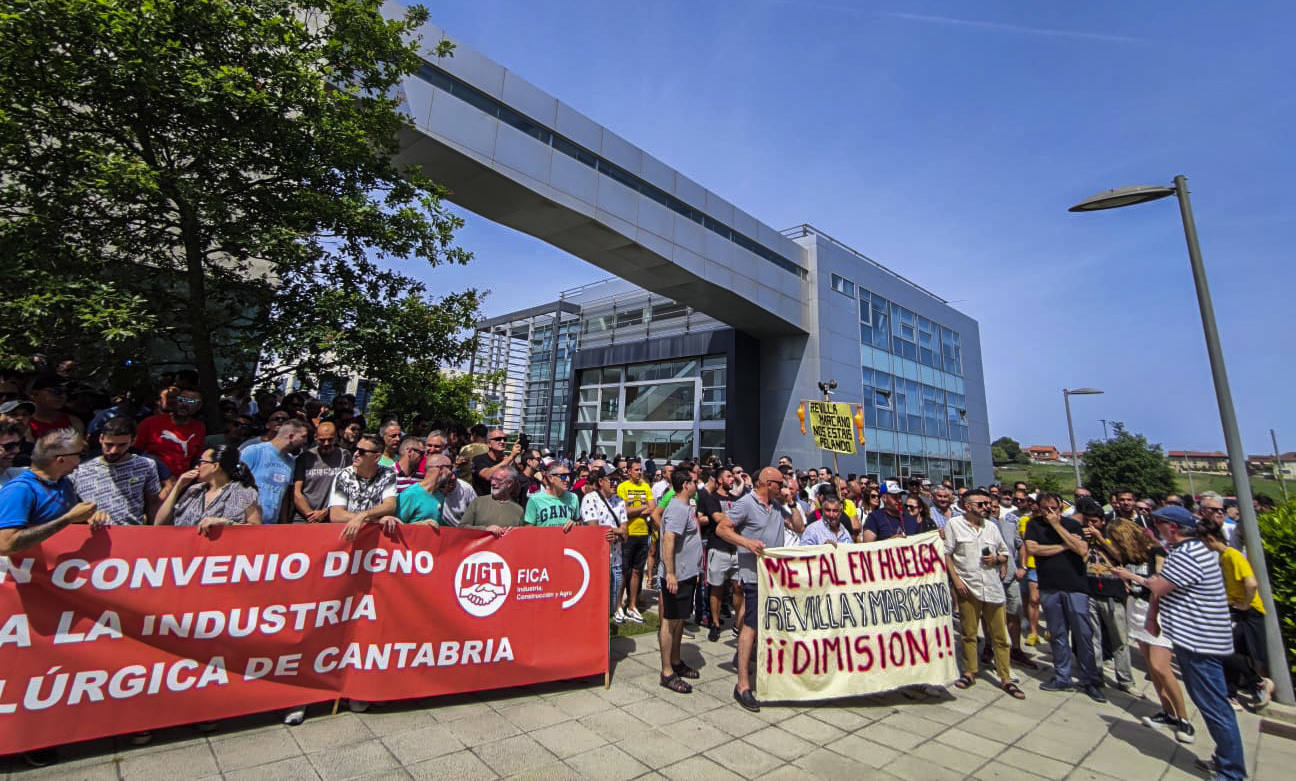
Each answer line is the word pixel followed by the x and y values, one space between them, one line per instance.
pixel 204 353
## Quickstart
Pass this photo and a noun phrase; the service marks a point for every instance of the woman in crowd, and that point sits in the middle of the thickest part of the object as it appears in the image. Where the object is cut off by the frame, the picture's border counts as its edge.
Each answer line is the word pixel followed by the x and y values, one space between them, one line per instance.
pixel 1142 555
pixel 1245 666
pixel 916 506
pixel 218 492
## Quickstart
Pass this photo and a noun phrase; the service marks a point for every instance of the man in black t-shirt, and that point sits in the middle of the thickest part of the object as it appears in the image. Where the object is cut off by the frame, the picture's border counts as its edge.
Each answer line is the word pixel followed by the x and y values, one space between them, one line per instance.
pixel 1060 552
pixel 722 556
pixel 495 456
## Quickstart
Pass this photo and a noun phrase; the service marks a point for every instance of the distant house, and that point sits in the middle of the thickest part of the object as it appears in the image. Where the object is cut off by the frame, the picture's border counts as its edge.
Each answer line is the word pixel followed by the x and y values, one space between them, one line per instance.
pixel 1199 461
pixel 1067 457
pixel 1042 454
pixel 1264 465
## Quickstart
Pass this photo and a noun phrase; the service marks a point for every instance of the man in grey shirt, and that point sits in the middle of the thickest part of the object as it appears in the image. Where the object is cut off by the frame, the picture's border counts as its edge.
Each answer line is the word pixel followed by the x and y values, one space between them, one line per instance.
pixel 754 523
pixel 681 550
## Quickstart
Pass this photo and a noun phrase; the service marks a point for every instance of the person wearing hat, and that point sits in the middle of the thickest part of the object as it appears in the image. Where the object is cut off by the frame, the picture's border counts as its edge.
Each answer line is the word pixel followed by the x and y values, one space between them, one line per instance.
pixel 49 395
pixel 1190 606
pixel 602 507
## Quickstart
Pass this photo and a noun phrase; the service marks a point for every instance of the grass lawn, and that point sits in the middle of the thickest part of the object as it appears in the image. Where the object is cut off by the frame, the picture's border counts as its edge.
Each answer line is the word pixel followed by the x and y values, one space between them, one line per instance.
pixel 1200 482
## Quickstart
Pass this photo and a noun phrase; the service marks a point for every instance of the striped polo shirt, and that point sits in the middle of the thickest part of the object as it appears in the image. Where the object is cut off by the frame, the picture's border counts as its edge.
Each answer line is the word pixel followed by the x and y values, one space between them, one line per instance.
pixel 1195 615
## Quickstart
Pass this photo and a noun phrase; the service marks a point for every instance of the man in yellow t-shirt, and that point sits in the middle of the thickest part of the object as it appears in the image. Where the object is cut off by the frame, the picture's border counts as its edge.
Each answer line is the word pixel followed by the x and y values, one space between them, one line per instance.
pixel 638 497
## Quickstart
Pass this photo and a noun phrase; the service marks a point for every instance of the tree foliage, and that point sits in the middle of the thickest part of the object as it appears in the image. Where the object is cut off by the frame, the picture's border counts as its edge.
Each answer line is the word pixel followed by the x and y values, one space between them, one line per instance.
pixel 420 388
pixel 1126 460
pixel 1006 450
pixel 1278 532
pixel 215 180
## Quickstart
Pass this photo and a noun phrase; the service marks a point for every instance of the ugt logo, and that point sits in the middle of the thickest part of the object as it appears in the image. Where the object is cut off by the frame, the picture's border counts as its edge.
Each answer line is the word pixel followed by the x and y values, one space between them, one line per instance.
pixel 482 583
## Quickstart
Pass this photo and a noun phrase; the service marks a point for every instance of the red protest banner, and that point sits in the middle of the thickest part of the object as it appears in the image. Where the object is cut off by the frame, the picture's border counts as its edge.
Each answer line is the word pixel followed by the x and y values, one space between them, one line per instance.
pixel 133 628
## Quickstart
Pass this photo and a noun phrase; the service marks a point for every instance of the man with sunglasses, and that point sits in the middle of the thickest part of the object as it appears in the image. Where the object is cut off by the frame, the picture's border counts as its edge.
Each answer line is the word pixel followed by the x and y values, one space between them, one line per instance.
pixel 175 437
pixel 11 438
pixel 755 522
pixel 553 505
pixel 49 395
pixel 364 492
pixel 38 503
pixel 494 457
pixel 409 455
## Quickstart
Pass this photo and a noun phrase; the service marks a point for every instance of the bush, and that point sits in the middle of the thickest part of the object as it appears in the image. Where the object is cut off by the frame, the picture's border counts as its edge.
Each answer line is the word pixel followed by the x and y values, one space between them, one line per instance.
pixel 1278 531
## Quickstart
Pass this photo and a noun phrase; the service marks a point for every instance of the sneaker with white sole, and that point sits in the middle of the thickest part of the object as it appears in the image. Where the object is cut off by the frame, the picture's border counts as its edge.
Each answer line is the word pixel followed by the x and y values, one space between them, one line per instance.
pixel 1160 719
pixel 619 617
pixel 1184 732
pixel 1263 692
pixel 294 717
pixel 634 615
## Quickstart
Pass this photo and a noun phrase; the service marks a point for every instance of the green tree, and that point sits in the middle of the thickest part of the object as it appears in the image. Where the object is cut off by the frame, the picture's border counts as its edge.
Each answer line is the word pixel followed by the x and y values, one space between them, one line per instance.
pixel 998 456
pixel 1278 532
pixel 420 388
pixel 216 180
pixel 1009 446
pixel 1044 480
pixel 1126 460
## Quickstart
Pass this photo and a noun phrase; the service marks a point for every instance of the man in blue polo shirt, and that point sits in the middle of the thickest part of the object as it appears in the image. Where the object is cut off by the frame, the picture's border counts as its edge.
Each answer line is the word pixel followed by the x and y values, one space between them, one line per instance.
pixel 39 502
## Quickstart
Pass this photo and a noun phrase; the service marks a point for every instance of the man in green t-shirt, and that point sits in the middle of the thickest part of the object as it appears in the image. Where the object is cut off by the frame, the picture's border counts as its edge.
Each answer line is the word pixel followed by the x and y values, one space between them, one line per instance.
pixel 553 505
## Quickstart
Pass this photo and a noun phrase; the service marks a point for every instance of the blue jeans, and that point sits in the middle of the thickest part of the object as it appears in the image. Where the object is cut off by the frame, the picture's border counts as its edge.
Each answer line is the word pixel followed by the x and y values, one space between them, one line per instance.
pixel 615 582
pixel 1070 610
pixel 1203 677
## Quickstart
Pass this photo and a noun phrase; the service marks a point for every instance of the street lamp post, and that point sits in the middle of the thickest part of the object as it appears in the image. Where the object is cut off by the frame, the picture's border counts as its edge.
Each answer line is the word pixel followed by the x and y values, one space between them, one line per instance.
pixel 1066 400
pixel 1127 196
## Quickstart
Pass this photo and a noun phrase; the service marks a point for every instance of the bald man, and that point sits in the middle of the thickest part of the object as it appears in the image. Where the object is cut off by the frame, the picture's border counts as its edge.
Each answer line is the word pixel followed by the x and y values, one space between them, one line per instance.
pixel 313 476
pixel 421 502
pixel 756 522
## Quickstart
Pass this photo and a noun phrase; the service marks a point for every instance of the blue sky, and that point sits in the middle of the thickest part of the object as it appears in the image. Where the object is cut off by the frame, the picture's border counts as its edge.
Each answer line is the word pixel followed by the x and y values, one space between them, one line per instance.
pixel 946 140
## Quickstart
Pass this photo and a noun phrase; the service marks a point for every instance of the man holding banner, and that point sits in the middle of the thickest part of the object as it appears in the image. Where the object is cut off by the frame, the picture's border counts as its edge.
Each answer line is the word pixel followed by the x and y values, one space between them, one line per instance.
pixel 754 523
pixel 976 554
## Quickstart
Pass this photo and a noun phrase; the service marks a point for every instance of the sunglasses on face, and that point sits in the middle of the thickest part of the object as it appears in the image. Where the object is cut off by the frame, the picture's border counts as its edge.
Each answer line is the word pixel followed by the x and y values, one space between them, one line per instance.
pixel 10 447
pixel 183 400
pixel 366 451
pixel 498 439
pixel 562 475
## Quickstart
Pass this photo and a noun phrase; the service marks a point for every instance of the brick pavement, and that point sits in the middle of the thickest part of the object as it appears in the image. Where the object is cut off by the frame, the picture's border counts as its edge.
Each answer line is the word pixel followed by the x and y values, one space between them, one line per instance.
pixel 636 729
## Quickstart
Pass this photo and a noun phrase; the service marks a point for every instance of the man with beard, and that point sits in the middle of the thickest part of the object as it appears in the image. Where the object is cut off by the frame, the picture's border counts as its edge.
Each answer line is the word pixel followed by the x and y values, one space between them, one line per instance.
pixel 272 464
pixel 491 459
pixel 175 437
pixel 496 511
pixel 313 475
pixel 120 483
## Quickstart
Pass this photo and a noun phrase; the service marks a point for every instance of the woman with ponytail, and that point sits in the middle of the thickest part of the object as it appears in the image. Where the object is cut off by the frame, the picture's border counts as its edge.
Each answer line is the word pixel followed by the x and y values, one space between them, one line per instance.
pixel 217 492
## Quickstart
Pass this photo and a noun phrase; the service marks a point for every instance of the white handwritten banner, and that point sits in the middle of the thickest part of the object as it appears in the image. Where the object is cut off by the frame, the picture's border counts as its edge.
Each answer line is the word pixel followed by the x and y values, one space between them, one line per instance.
pixel 854 619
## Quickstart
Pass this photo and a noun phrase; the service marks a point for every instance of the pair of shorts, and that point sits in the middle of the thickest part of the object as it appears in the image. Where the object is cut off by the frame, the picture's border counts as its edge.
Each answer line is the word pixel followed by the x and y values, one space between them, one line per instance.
pixel 634 554
pixel 750 595
pixel 680 604
pixel 1012 599
pixel 1031 575
pixel 722 567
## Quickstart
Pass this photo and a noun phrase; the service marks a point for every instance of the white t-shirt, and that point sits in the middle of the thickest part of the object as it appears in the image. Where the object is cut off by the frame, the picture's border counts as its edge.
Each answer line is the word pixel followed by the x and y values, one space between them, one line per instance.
pixel 455 504
pixel 594 510
pixel 659 489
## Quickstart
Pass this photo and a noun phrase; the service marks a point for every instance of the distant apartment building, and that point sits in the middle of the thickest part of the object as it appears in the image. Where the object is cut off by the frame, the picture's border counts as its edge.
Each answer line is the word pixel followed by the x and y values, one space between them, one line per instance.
pixel 1198 461
pixel 1043 454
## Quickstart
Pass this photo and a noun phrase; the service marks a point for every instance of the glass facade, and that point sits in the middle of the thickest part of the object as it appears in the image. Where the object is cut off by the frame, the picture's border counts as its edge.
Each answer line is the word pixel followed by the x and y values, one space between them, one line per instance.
pixel 915 415
pixel 665 409
pixel 544 412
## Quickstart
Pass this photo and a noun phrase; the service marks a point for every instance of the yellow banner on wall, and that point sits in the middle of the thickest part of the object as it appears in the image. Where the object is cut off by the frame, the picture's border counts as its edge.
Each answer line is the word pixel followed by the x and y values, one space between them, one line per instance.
pixel 833 426
pixel 853 619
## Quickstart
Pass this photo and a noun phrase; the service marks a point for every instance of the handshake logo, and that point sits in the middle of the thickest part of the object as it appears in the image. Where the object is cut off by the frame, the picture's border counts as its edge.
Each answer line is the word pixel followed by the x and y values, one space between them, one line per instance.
pixel 482 583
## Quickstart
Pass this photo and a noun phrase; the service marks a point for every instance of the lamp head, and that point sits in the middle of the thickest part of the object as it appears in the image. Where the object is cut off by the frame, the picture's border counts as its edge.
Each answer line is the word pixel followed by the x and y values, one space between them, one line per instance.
pixel 1081 391
pixel 1122 196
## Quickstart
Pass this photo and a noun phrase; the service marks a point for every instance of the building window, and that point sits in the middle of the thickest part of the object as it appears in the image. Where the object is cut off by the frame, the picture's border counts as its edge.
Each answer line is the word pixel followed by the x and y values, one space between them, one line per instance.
pixel 665 401
pixel 843 285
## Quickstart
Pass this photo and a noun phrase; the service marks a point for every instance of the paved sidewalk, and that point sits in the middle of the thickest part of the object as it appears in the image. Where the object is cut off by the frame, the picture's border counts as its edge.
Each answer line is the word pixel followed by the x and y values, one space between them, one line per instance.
pixel 636 729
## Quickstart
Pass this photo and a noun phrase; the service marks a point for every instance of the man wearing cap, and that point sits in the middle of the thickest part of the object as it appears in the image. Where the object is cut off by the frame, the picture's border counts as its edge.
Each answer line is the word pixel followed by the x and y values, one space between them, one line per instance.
pixel 602 507
pixel 889 520
pixel 1190 606
pixel 49 395
pixel 1060 552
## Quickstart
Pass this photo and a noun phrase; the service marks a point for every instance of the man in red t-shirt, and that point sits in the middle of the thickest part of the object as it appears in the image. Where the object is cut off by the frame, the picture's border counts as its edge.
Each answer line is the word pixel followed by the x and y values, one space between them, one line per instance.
pixel 176 438
pixel 49 394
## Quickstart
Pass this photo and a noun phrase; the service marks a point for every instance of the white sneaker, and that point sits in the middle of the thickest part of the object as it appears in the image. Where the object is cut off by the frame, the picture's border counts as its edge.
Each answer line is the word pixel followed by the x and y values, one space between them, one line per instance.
pixel 294 717
pixel 634 615
pixel 358 706
pixel 619 617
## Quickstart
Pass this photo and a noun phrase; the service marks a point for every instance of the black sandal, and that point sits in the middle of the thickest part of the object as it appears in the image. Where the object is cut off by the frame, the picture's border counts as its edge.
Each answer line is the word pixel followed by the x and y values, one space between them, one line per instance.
pixel 1014 690
pixel 684 671
pixel 965 680
pixel 676 684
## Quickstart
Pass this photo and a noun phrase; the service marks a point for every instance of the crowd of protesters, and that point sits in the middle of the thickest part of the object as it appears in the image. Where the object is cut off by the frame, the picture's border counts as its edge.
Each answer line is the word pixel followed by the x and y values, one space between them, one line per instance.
pixel 684 536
